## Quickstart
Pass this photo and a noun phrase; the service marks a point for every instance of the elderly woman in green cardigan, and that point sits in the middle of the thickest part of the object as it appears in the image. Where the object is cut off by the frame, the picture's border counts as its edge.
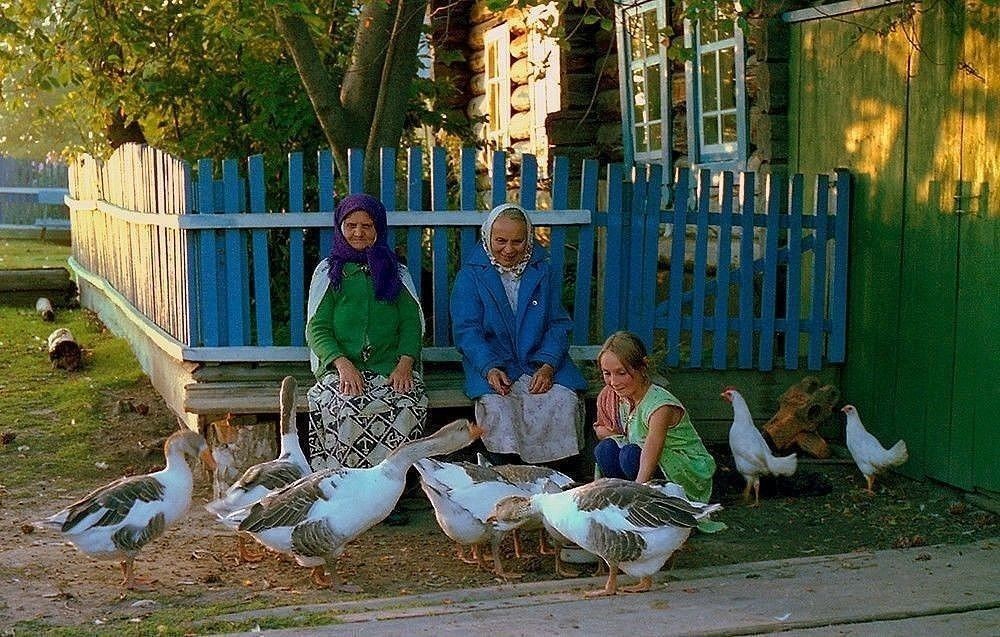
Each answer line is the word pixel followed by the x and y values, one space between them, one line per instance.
pixel 364 331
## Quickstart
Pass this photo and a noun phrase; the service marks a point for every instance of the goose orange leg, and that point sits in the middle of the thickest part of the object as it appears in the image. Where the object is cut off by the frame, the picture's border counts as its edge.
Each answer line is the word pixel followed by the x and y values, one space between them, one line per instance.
pixel 610 587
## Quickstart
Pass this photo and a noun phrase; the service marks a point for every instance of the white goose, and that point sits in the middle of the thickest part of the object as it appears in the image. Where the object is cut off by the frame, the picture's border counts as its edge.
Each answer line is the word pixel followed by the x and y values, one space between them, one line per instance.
pixel 752 456
pixel 265 477
pixel 631 526
pixel 535 479
pixel 463 495
pixel 117 520
pixel 315 517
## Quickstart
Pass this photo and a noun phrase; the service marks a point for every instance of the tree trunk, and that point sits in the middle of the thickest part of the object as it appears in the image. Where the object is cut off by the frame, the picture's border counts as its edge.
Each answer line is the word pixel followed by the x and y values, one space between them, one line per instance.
pixel 319 85
pixel 370 109
pixel 121 131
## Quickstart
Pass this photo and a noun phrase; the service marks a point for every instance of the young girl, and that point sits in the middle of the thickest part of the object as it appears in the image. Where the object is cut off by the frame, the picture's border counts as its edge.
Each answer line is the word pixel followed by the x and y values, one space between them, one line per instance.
pixel 644 431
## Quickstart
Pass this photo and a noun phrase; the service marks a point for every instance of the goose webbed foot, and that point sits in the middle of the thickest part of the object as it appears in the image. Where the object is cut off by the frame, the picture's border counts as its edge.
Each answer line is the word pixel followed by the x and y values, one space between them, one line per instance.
pixel 643 585
pixel 610 587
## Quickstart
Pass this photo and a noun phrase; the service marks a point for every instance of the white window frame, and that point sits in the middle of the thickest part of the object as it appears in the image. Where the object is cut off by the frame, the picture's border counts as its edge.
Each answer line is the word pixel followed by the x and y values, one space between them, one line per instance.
pixel 730 155
pixel 628 97
pixel 497 84
pixel 544 81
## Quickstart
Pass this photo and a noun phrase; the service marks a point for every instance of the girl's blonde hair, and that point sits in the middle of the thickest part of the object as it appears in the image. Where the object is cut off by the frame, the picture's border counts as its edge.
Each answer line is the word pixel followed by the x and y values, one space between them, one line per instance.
pixel 630 350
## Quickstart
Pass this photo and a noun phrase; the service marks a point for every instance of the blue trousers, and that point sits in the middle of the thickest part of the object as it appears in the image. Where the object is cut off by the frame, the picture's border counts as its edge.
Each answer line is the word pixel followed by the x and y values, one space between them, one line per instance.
pixel 619 462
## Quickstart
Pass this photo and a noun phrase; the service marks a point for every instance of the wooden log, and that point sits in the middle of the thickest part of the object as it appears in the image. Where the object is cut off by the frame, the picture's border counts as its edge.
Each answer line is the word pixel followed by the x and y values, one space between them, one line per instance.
pixel 520 70
pixel 64 352
pixel 475 107
pixel 44 307
pixel 480 12
pixel 520 98
pixel 477 61
pixel 477 84
pixel 515 19
pixel 23 286
pixel 519 46
pixel 802 409
pixel 520 126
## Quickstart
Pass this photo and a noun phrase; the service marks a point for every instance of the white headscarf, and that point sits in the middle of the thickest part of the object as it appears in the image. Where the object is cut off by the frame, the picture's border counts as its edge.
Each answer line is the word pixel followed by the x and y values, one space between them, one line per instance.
pixel 487 231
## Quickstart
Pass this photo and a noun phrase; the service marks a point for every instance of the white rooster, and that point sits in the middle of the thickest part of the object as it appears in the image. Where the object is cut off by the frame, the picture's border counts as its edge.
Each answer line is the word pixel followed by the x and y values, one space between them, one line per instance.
pixel 751 454
pixel 868 453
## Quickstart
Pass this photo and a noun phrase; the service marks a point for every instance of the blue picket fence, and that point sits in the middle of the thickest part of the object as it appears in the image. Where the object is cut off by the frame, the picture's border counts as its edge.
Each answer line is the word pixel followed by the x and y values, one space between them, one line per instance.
pixel 32 192
pixel 734 274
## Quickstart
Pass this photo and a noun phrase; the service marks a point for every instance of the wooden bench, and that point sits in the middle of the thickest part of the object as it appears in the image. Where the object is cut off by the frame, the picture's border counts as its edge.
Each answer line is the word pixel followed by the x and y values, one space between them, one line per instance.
pixel 241 388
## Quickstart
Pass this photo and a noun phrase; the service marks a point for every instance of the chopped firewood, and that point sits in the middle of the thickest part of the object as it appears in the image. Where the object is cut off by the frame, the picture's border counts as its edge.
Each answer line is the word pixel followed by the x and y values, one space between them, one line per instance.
pixel 64 352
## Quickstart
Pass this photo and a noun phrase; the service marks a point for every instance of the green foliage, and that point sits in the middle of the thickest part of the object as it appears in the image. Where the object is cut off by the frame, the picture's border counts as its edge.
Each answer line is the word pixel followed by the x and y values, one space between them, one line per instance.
pixel 202 77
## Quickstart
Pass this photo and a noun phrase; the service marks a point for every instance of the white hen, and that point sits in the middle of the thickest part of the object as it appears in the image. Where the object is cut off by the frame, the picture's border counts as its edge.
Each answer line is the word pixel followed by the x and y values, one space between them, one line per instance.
pixel 868 453
pixel 751 454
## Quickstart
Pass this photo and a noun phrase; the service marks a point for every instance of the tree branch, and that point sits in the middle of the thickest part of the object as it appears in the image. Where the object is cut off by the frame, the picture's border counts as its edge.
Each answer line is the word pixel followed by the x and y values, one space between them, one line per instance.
pixel 316 79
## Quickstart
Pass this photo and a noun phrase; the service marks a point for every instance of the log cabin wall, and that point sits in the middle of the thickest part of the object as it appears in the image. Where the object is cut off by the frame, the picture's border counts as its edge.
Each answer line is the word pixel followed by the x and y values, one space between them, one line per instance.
pixel 522 90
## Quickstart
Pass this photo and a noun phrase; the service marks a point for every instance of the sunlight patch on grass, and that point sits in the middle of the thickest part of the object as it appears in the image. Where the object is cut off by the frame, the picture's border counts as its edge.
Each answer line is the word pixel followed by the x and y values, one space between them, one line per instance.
pixel 32 253
pixel 52 412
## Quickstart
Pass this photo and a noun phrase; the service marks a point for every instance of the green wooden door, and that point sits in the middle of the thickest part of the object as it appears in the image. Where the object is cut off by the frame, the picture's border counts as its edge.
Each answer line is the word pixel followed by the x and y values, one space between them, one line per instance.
pixel 976 402
pixel 914 114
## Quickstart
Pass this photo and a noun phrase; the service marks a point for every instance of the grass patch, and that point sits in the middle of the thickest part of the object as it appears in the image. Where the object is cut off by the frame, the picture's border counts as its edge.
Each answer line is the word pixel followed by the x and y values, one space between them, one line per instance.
pixel 178 622
pixel 32 253
pixel 54 415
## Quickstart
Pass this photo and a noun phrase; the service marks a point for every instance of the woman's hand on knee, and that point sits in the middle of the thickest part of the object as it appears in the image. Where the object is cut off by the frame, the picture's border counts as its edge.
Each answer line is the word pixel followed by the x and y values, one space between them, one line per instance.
pixel 541 380
pixel 351 381
pixel 401 377
pixel 499 381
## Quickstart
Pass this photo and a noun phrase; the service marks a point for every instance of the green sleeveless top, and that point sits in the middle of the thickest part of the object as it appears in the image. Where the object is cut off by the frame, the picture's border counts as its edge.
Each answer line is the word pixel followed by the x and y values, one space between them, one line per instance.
pixel 684 459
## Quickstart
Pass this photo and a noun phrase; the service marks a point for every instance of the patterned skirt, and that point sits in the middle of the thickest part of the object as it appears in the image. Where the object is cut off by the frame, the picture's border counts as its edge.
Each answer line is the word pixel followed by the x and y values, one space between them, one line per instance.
pixel 538 427
pixel 360 431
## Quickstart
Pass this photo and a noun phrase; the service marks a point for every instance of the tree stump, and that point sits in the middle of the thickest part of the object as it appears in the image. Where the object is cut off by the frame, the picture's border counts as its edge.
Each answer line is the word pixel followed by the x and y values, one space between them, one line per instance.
pixel 64 352
pixel 802 409
pixel 238 443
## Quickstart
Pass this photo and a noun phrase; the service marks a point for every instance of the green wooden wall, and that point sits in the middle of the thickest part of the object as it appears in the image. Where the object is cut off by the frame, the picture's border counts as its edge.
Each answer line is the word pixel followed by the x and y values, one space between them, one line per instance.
pixel 915 114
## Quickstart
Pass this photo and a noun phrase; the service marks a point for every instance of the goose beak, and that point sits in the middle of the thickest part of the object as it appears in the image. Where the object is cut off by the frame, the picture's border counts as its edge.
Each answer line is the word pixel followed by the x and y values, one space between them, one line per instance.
pixel 476 432
pixel 207 460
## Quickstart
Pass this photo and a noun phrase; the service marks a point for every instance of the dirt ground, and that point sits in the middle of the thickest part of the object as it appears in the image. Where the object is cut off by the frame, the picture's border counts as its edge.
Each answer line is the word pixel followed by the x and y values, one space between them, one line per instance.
pixel 196 565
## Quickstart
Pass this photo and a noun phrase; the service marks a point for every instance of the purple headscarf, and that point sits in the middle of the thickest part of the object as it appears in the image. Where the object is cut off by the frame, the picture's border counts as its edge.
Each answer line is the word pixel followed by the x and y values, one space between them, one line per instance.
pixel 381 261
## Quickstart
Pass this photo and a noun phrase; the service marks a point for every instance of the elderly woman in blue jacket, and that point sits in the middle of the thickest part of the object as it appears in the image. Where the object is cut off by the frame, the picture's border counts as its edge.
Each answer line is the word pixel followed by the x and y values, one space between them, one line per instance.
pixel 513 333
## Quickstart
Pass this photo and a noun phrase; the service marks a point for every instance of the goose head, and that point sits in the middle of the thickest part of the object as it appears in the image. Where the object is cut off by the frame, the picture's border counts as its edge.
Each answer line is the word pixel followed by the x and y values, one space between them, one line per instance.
pixel 512 511
pixel 188 444
pixel 451 437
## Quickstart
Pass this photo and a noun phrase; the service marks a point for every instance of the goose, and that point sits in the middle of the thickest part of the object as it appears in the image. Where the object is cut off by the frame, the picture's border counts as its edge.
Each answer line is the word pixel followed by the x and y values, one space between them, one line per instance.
pixel 752 456
pixel 631 526
pixel 265 477
pixel 314 518
pixel 463 495
pixel 117 520
pixel 536 479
